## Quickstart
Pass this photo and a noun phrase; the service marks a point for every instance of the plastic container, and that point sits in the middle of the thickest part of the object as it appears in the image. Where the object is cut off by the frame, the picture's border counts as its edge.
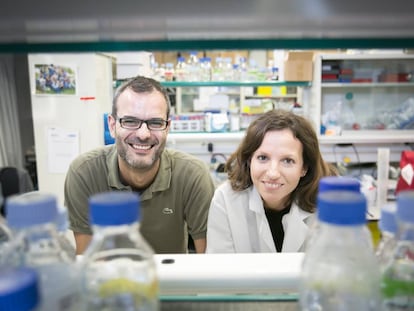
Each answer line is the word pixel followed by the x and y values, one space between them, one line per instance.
pixel 388 228
pixel 341 183
pixel 32 218
pixel 181 73
pixel 398 276
pixel 118 267
pixel 205 69
pixel 193 67
pixel 62 225
pixel 19 289
pixel 339 272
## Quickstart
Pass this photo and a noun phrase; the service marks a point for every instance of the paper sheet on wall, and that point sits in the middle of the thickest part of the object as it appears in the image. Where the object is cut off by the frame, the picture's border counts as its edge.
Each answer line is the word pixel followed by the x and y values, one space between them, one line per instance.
pixel 62 148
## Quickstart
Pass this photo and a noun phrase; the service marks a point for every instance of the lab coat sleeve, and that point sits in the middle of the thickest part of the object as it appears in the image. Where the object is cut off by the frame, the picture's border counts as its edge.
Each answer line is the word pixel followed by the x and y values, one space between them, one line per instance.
pixel 219 235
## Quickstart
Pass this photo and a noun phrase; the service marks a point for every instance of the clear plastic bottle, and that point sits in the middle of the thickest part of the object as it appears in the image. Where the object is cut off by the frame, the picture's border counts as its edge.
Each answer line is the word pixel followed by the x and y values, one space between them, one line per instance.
pixel 243 69
pixel 205 69
pixel 218 70
pixel 398 276
pixel 62 225
pixel 118 267
pixel 181 73
pixel 19 289
pixel 388 228
pixel 193 67
pixel 339 272
pixel 35 244
pixel 228 69
pixel 329 183
pixel 169 72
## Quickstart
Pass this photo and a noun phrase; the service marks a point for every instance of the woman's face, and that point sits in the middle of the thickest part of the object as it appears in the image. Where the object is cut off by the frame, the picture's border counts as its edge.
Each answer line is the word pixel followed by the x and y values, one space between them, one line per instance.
pixel 276 167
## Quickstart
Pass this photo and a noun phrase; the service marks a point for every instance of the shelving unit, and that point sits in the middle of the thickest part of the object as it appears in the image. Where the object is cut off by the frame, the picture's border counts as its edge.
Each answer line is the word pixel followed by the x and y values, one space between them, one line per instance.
pixel 363 97
pixel 186 89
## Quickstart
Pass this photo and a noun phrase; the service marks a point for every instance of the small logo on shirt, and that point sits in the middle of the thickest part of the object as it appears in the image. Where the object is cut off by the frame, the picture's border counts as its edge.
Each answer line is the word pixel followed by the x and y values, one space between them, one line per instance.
pixel 167 211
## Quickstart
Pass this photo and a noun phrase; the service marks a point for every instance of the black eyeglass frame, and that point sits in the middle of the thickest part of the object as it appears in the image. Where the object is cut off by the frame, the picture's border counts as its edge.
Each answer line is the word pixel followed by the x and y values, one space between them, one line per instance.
pixel 141 122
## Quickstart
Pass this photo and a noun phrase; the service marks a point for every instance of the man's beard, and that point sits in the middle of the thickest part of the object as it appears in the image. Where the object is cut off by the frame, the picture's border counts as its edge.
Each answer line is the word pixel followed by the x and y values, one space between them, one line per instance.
pixel 138 163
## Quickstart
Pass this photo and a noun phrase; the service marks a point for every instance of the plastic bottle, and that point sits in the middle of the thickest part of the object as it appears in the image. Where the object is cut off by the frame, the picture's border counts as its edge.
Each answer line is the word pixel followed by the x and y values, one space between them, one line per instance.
pixel 243 69
pixel 388 228
pixel 205 69
pixel 19 289
pixel 169 72
pixel 228 69
pixel 32 219
pixel 181 73
pixel 218 70
pixel 329 183
pixel 193 67
pixel 339 272
pixel 62 225
pixel 398 276
pixel 118 267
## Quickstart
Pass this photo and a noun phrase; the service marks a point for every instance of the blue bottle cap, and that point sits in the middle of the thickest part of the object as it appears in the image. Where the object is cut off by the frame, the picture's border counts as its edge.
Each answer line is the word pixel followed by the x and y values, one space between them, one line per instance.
pixel 19 289
pixel 342 207
pixel 387 221
pixel 114 208
pixel 31 209
pixel 405 206
pixel 339 183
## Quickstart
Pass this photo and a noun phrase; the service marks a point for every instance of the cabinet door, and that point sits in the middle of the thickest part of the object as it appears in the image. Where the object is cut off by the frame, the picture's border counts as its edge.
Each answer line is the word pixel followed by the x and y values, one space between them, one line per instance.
pixel 370 93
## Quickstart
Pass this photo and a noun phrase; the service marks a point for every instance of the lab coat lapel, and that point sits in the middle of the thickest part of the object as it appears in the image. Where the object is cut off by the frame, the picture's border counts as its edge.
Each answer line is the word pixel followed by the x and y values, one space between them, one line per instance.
pixel 296 229
pixel 265 238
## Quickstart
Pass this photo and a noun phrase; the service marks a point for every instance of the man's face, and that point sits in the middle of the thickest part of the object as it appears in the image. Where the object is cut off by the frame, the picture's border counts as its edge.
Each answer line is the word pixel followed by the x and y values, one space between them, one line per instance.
pixel 140 148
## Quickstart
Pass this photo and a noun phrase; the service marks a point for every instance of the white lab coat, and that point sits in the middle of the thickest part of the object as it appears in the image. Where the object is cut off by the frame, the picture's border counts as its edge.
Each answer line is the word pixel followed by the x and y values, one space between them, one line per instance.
pixel 237 224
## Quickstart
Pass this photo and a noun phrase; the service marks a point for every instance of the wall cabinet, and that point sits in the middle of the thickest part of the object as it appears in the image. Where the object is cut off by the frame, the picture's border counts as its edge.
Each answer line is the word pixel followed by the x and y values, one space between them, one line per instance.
pixel 362 97
pixel 362 102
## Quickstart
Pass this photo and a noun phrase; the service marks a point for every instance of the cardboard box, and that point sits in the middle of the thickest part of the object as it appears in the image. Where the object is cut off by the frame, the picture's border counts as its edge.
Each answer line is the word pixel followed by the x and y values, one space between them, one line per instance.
pixel 298 66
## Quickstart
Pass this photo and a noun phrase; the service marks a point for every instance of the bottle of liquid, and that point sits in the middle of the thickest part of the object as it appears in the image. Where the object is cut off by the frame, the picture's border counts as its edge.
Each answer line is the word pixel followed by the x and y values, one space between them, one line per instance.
pixel 118 267
pixel 329 183
pixel 339 272
pixel 218 70
pixel 398 276
pixel 193 67
pixel 180 72
pixel 62 225
pixel 388 228
pixel 19 289
pixel 205 69
pixel 243 69
pixel 32 219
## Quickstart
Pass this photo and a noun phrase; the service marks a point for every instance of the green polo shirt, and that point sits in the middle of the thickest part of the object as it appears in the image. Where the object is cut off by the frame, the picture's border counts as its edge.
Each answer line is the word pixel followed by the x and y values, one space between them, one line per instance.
pixel 175 204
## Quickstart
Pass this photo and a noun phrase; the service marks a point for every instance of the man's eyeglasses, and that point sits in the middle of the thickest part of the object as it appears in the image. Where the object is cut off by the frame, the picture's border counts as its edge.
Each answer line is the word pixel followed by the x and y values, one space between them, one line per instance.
pixel 135 124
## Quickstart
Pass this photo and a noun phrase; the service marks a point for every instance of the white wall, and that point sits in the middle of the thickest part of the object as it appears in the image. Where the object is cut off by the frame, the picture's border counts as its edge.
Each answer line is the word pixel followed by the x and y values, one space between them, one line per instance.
pixel 70 112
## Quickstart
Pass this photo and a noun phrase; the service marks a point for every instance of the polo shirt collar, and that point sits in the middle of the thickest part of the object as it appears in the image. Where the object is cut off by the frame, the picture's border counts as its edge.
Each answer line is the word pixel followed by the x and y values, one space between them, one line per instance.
pixel 162 180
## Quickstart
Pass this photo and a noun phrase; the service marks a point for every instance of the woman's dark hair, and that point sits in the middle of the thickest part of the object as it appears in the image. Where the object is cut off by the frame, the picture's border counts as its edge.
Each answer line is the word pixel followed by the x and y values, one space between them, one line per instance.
pixel 238 164
pixel 140 84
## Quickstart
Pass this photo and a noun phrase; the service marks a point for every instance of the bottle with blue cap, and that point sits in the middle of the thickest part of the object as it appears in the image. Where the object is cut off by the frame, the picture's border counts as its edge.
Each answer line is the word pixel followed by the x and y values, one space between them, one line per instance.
pixel 388 228
pixel 32 219
pixel 398 276
pixel 19 289
pixel 339 271
pixel 118 267
pixel 340 183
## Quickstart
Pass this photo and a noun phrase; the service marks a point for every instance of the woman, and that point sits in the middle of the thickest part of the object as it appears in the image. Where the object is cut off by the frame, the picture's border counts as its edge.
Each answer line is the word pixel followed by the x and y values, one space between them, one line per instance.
pixel 268 202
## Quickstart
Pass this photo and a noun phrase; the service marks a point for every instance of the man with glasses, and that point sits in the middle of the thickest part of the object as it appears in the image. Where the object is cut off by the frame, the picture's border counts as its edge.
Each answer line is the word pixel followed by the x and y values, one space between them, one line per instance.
pixel 175 188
